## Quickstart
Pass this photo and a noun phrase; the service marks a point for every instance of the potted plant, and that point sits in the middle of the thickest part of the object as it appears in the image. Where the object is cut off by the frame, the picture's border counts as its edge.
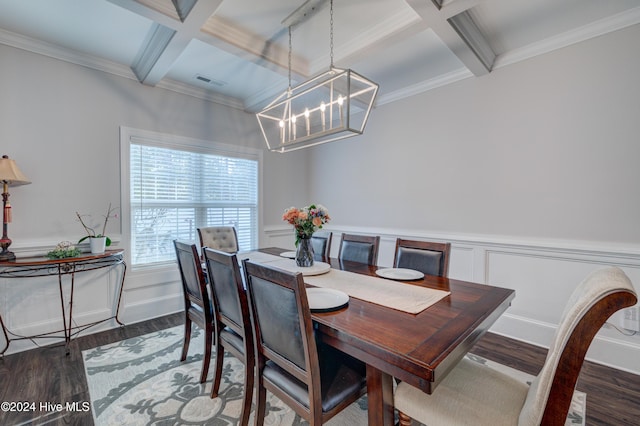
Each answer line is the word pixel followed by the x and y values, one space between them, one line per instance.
pixel 63 250
pixel 97 241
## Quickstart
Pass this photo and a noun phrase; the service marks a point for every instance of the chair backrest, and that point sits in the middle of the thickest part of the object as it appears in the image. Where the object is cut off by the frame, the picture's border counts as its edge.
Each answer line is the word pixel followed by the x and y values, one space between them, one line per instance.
pixel 193 282
pixel 600 295
pixel 227 289
pixel 428 257
pixel 282 324
pixel 321 242
pixel 223 238
pixel 359 248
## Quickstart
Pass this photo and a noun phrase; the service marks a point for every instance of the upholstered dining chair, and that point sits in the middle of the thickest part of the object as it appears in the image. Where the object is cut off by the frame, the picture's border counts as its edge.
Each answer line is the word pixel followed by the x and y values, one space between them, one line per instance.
pixel 223 238
pixel 359 248
pixel 321 242
pixel 233 323
pixel 314 379
pixel 197 305
pixel 428 257
pixel 478 395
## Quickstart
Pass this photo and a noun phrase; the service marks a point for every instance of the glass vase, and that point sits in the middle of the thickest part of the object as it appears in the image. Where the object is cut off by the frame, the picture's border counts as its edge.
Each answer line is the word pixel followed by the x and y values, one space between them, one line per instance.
pixel 304 252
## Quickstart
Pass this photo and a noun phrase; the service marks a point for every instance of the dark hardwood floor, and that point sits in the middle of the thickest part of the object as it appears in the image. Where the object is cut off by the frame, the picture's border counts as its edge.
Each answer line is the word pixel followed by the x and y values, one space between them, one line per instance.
pixel 47 375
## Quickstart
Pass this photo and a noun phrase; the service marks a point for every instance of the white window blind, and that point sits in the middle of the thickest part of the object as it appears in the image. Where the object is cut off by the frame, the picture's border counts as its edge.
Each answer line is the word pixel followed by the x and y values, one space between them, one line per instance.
pixel 174 192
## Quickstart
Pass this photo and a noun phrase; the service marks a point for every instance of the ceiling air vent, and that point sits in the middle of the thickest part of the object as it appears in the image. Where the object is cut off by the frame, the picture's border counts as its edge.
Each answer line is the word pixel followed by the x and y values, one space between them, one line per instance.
pixel 211 81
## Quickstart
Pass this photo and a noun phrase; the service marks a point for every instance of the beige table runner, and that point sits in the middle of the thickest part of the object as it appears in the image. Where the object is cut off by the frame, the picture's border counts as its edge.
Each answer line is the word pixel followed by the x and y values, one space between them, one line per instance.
pixel 257 257
pixel 392 294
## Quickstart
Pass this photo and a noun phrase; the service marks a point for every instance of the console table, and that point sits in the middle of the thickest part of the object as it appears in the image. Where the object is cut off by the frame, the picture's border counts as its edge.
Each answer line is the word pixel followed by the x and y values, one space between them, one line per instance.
pixel 29 267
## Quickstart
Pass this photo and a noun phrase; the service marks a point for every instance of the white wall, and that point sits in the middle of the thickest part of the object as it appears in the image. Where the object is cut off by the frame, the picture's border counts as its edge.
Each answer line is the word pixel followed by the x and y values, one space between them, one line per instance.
pixel 61 122
pixel 546 148
pixel 531 171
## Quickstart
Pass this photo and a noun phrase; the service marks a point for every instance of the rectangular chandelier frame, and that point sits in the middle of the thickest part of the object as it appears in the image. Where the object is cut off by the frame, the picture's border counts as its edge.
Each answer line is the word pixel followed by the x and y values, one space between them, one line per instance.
pixel 331 106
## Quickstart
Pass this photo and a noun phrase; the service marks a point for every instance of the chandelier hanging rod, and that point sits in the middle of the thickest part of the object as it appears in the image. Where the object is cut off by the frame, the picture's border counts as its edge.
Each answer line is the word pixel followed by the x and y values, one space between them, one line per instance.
pixel 303 13
pixel 331 106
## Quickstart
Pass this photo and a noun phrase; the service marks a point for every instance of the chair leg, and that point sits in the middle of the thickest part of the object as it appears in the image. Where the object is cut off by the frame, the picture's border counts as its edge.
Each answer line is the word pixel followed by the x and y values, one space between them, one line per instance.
pixel 248 392
pixel 206 360
pixel 217 375
pixel 261 402
pixel 404 419
pixel 187 338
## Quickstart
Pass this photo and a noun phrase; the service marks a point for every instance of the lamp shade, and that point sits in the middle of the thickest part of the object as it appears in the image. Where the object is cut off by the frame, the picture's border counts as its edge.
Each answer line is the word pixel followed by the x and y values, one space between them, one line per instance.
pixel 10 173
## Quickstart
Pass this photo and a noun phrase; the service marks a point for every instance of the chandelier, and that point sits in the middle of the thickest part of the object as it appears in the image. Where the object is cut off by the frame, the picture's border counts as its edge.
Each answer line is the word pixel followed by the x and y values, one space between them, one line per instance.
pixel 331 106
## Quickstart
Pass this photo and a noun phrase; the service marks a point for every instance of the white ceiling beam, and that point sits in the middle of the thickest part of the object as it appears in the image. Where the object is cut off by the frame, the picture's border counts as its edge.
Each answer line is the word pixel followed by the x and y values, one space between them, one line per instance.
pixel 168 37
pixel 190 29
pixel 452 31
pixel 241 42
pixel 183 7
pixel 471 34
pixel 202 24
pixel 151 14
pixel 451 8
pixel 392 30
pixel 153 48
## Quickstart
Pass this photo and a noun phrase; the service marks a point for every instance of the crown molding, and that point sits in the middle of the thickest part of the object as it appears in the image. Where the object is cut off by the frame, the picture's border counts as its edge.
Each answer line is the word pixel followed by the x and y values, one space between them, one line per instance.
pixel 205 95
pixel 424 86
pixel 368 38
pixel 78 58
pixel 405 19
pixel 67 55
pixel 586 32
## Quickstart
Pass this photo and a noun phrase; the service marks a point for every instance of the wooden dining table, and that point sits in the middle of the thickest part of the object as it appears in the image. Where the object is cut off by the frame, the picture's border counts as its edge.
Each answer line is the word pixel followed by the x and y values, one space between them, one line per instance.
pixel 419 349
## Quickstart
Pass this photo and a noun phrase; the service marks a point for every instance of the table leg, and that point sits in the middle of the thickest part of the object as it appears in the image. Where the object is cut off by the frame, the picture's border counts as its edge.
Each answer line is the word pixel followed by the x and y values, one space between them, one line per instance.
pixel 6 337
pixel 124 271
pixel 68 338
pixel 64 314
pixel 380 397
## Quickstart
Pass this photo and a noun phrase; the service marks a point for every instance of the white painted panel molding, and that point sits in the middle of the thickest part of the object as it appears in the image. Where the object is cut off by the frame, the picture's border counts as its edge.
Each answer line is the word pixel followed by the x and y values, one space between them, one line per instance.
pixel 543 274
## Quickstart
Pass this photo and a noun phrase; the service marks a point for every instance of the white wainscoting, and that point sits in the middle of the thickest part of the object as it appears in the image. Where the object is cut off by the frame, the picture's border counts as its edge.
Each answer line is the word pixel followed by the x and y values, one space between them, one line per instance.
pixel 543 274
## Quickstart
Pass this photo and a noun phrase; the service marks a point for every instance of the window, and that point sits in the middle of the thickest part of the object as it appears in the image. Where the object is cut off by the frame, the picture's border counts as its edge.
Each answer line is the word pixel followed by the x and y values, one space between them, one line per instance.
pixel 176 188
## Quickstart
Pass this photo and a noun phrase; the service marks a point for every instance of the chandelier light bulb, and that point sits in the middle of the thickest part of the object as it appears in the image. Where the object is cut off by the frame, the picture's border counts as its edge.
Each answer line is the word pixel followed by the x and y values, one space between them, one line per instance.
pixel 322 106
pixel 306 112
pixel 340 100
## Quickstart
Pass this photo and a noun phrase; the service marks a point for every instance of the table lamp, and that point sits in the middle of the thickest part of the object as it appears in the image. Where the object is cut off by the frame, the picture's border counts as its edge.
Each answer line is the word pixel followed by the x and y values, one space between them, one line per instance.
pixel 10 175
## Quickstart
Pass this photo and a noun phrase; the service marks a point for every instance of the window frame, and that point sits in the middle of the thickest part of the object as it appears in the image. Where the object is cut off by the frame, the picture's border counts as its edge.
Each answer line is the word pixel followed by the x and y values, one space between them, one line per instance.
pixel 164 140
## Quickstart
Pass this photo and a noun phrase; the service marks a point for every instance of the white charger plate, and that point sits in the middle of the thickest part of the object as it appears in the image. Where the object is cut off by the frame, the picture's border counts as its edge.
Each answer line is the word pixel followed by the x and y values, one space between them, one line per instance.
pixel 288 254
pixel 402 274
pixel 326 299
pixel 318 268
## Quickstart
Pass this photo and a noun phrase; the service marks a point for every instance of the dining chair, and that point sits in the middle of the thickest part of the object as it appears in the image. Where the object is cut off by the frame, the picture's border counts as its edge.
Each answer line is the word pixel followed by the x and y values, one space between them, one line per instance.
pixel 223 238
pixel 197 305
pixel 475 394
pixel 314 379
pixel 233 323
pixel 359 248
pixel 428 257
pixel 321 242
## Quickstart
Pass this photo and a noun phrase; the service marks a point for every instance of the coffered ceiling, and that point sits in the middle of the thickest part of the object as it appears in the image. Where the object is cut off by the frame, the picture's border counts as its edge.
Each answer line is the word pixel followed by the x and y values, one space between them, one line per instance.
pixel 236 51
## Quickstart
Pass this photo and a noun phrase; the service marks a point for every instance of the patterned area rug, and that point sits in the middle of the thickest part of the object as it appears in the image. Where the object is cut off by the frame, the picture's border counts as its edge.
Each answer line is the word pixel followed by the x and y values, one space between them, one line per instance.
pixel 140 381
